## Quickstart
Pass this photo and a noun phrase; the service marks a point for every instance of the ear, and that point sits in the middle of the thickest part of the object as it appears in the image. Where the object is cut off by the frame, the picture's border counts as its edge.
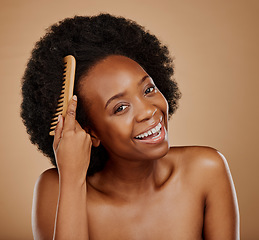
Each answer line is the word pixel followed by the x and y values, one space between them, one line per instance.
pixel 95 140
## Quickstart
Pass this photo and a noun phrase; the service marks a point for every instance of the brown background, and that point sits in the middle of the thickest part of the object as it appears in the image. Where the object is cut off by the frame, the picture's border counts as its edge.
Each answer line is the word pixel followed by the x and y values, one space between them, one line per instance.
pixel 215 45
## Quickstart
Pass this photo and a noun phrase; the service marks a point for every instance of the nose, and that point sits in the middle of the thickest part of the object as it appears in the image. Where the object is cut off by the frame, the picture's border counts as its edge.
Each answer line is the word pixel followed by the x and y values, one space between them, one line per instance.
pixel 144 111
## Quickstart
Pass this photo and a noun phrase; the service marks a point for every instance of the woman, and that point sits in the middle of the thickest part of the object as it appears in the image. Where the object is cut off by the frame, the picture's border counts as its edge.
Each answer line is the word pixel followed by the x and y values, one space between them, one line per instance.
pixel 116 176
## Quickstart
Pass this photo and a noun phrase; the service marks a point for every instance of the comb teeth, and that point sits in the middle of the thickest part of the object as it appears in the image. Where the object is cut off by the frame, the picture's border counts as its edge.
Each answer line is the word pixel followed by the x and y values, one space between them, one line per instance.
pixel 66 91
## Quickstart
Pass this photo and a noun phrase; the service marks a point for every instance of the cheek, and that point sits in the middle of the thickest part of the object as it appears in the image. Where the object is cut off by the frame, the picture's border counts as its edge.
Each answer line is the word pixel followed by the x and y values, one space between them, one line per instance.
pixel 163 104
pixel 116 130
pixel 117 138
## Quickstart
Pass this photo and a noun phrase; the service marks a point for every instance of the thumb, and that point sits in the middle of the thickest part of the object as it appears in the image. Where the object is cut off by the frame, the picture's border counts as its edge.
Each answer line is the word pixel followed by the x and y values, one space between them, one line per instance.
pixel 58 132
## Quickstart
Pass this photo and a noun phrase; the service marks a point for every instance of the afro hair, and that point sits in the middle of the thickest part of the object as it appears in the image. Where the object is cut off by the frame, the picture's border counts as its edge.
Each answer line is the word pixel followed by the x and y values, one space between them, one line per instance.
pixel 89 40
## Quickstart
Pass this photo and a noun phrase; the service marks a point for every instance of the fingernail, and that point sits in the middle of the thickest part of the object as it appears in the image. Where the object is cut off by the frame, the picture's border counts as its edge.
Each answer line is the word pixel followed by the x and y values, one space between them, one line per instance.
pixel 59 117
pixel 74 98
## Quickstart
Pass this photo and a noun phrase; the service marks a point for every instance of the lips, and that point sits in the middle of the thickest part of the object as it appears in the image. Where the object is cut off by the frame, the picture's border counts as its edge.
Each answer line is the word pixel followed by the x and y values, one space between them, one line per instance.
pixel 150 132
pixel 154 135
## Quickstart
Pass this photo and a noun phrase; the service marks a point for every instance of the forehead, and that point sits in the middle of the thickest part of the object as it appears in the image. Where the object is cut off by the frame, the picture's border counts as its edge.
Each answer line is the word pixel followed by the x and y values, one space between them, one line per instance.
pixel 111 76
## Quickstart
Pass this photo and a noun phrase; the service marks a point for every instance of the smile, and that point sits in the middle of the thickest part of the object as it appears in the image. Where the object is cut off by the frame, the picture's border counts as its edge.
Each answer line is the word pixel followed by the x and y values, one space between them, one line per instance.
pixel 152 133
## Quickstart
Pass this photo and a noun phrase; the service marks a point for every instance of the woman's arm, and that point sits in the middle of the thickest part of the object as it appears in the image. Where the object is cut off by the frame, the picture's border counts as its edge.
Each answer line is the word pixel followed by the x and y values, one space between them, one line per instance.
pixel 221 219
pixel 60 200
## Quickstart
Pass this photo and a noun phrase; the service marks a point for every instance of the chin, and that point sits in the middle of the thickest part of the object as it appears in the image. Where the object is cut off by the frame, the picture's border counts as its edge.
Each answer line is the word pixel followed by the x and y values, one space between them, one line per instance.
pixel 158 152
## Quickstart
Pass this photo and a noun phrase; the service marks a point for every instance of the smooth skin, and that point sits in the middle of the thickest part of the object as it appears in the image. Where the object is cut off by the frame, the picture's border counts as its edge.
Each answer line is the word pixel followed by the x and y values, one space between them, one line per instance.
pixel 147 190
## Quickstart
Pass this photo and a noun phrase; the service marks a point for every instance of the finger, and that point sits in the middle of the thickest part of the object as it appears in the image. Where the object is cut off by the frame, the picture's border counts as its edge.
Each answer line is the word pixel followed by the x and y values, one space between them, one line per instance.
pixel 78 126
pixel 85 137
pixel 79 129
pixel 58 132
pixel 69 123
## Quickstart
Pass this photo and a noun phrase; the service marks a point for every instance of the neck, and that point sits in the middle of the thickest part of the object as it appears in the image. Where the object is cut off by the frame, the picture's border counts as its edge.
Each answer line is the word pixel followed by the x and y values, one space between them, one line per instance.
pixel 131 177
pixel 130 180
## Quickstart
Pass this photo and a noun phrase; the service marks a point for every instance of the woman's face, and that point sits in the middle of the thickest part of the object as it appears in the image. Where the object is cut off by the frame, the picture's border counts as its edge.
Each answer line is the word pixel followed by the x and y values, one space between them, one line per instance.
pixel 128 113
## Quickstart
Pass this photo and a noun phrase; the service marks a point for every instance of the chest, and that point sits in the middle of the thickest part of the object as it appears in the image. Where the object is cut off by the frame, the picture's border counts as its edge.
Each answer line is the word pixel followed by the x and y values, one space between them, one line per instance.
pixel 175 215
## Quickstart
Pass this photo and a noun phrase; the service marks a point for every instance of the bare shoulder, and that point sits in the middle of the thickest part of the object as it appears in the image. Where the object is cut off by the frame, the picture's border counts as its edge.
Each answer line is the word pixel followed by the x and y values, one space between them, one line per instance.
pixel 50 175
pixel 198 159
pixel 207 170
pixel 47 183
pixel 44 205
pixel 203 166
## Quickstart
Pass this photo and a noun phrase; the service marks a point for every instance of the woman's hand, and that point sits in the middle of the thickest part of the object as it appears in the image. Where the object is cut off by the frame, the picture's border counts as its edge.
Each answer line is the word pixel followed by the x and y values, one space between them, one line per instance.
pixel 72 146
pixel 60 198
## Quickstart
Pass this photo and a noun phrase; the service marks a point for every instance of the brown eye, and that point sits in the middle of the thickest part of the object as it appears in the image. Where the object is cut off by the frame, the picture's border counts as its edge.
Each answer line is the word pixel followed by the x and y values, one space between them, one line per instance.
pixel 150 89
pixel 120 108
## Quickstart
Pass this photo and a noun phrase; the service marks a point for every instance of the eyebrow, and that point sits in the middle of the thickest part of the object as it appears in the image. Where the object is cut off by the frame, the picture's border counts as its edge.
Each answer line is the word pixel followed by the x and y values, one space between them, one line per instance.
pixel 123 93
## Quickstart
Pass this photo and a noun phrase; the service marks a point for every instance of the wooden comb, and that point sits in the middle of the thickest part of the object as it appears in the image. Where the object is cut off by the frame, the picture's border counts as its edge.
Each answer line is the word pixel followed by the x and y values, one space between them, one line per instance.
pixel 66 92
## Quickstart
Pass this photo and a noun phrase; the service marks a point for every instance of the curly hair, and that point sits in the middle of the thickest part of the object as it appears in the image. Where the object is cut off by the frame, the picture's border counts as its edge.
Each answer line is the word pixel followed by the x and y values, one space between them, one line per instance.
pixel 89 40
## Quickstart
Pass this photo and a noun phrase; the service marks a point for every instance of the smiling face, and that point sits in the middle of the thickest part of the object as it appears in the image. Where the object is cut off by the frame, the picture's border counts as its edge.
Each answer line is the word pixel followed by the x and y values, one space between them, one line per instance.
pixel 128 113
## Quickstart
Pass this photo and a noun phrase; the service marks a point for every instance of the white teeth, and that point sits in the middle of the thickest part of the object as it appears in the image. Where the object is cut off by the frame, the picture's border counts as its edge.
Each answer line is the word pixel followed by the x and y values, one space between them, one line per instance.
pixel 150 132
